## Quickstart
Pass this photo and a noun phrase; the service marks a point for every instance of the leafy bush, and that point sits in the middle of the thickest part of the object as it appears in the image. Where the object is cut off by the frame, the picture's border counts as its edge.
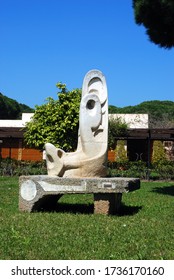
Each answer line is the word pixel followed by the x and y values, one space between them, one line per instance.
pixel 154 175
pixel 161 171
pixel 11 167
pixel 128 169
pixel 121 154
pixel 158 154
pixel 56 121
pixel 117 127
pixel 165 169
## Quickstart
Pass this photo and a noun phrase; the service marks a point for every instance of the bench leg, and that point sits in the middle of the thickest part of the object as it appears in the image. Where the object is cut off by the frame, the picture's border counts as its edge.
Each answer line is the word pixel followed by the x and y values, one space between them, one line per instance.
pixel 107 203
pixel 47 202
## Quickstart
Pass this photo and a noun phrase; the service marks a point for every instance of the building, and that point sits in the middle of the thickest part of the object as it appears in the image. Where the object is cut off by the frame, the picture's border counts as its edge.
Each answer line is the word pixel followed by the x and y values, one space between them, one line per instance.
pixel 140 138
pixel 12 140
pixel 138 141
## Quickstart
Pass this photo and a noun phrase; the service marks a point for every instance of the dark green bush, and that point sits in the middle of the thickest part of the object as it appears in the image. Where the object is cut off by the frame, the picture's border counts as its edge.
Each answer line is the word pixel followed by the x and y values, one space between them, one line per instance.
pixel 11 167
pixel 160 171
pixel 163 170
pixel 154 176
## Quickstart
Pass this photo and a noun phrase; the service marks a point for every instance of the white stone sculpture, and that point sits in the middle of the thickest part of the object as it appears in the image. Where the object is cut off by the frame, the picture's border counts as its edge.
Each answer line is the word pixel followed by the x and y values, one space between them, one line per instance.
pixel 89 160
pixel 80 169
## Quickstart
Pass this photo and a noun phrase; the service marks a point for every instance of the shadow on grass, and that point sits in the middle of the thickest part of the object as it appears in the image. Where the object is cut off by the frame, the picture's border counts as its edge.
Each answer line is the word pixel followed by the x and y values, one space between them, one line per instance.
pixel 167 190
pixel 75 208
pixel 62 207
pixel 86 209
pixel 126 210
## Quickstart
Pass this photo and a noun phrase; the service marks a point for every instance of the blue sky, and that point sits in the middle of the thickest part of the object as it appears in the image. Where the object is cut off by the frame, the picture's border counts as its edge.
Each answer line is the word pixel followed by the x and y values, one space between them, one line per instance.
pixel 47 41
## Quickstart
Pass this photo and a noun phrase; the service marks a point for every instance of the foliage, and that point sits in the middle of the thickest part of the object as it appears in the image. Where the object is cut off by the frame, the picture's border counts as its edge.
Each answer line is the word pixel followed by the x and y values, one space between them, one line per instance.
pixel 160 171
pixel 113 109
pixel 157 16
pixel 116 128
pixel 8 108
pixel 121 154
pixel 56 121
pixel 25 109
pixel 145 225
pixel 12 167
pixel 158 154
pixel 128 169
pixel 161 113
pixel 11 109
pixel 164 170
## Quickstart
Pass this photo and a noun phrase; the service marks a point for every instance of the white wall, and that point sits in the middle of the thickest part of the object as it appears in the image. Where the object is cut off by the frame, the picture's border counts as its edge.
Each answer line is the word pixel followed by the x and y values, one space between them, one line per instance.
pixel 133 120
pixel 17 123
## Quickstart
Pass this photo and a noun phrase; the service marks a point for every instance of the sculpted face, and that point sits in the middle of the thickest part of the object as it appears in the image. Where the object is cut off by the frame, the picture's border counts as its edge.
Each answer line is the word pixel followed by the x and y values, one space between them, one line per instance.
pixel 90 157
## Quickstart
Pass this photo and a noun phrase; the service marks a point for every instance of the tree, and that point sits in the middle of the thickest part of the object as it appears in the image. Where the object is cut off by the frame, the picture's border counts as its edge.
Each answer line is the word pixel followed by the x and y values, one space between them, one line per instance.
pixel 56 121
pixel 10 109
pixel 158 154
pixel 161 113
pixel 157 16
pixel 116 128
pixel 121 154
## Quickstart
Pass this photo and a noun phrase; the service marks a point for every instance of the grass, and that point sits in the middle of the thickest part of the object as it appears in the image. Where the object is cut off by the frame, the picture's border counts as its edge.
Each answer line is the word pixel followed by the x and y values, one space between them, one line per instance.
pixel 144 229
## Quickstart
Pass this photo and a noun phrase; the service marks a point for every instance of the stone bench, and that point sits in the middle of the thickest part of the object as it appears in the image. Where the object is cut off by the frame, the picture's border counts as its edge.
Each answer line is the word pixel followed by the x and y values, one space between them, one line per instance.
pixel 38 190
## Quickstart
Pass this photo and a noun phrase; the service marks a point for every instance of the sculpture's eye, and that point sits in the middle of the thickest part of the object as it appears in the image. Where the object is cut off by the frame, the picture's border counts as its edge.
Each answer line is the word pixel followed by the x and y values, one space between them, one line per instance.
pixel 59 153
pixel 90 104
pixel 49 157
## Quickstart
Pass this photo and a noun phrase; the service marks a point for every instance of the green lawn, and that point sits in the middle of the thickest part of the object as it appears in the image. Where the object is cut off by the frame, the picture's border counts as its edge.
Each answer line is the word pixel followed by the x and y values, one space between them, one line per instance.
pixel 143 230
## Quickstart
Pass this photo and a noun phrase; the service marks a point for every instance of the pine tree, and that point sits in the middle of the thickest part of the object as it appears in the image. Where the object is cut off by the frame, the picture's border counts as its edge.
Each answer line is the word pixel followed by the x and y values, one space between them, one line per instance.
pixel 158 154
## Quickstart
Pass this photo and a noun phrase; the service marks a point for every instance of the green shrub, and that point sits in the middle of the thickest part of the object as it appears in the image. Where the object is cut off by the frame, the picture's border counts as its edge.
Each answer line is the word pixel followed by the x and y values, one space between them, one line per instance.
pixel 158 154
pixel 154 176
pixel 11 167
pixel 121 153
pixel 165 169
pixel 117 127
pixel 160 171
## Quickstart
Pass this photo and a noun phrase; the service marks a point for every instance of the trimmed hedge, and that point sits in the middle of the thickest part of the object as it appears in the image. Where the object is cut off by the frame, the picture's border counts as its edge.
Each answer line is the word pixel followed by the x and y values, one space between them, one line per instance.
pixel 11 167
pixel 163 170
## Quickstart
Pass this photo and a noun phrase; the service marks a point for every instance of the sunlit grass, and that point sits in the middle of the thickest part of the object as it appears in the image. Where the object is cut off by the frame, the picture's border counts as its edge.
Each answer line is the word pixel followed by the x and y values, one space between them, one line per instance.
pixel 144 229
